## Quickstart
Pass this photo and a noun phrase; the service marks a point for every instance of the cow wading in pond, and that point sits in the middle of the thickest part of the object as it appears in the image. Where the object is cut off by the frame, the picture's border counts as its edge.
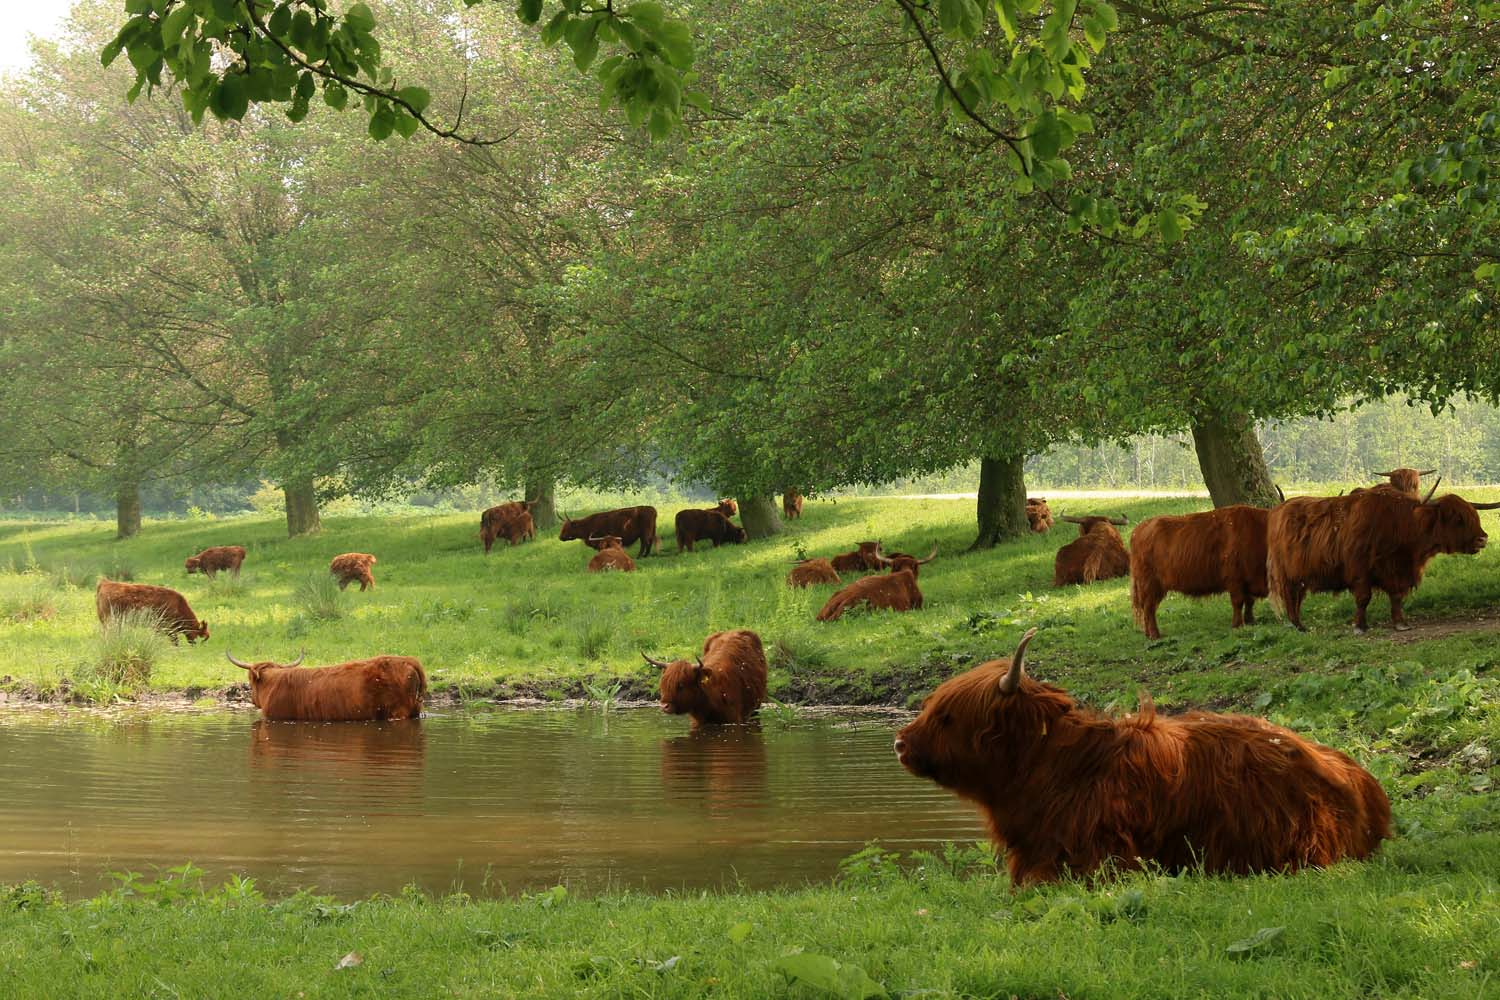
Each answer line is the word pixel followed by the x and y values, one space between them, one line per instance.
pixel 216 559
pixel 1067 790
pixel 1213 552
pixel 353 567
pixel 1372 539
pixel 726 685
pixel 1098 553
pixel 380 688
pixel 174 616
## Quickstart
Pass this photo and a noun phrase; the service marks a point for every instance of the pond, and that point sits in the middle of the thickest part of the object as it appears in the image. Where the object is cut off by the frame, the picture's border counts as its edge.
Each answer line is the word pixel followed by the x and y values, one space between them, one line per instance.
pixel 492 802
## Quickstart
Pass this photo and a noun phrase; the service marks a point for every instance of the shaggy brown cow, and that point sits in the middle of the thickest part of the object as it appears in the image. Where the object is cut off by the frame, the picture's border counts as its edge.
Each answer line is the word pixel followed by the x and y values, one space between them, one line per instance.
pixel 810 572
pixel 1097 553
pixel 383 687
pixel 791 504
pixel 727 507
pixel 1066 790
pixel 1213 552
pixel 1038 514
pixel 352 567
pixel 515 526
pixel 727 684
pixel 212 560
pixel 611 555
pixel 866 557
pixel 1375 539
pixel 1408 481
pixel 894 591
pixel 505 511
pixel 631 524
pixel 712 525
pixel 175 615
pixel 901 561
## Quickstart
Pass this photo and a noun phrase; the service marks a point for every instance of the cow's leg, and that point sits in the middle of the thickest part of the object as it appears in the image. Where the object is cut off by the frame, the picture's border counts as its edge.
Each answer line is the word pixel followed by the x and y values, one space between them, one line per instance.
pixel 1362 592
pixel 1237 607
pixel 1293 599
pixel 343 582
pixel 1249 610
pixel 1398 615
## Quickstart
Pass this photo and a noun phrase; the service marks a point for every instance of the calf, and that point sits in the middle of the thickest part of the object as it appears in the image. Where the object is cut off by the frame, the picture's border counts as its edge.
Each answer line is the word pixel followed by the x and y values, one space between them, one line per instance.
pixel 727 507
pixel 175 617
pixel 1213 552
pixel 866 557
pixel 611 555
pixel 1038 515
pixel 1097 553
pixel 352 567
pixel 212 560
pixel 712 525
pixel 1066 790
pixel 514 526
pixel 791 504
pixel 726 685
pixel 810 572
pixel 383 687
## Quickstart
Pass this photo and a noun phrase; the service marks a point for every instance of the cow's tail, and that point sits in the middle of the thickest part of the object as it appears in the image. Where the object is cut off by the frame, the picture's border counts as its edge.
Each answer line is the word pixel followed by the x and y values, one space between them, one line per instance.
pixel 1276 585
pixel 681 539
pixel 1138 595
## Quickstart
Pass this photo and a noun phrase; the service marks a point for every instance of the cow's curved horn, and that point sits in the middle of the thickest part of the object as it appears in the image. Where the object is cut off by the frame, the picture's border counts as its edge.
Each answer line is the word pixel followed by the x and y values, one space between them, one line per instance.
pixel 658 664
pixel 1071 519
pixel 1425 472
pixel 1428 498
pixel 1123 520
pixel 1012 679
pixel 1391 473
pixel 1281 497
pixel 597 538
pixel 239 663
pixel 699 658
pixel 880 558
pixel 930 557
pixel 300 657
pixel 1487 506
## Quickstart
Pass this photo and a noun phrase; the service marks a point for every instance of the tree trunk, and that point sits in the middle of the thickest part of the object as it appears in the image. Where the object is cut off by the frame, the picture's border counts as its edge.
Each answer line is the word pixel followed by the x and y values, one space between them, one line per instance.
pixel 1234 467
pixel 128 510
pixel 301 508
pixel 542 489
pixel 760 516
pixel 1002 501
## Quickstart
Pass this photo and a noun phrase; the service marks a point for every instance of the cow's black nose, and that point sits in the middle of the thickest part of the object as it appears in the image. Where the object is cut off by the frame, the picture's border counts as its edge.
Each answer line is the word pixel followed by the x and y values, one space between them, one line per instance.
pixel 900 746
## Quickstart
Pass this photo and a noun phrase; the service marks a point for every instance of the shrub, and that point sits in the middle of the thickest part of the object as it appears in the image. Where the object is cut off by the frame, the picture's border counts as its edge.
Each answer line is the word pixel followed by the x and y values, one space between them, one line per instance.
pixel 126 649
pixel 320 597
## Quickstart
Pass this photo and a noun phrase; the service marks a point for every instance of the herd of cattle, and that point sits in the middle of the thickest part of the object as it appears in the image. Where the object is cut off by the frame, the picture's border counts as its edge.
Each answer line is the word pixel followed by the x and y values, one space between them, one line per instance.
pixel 1065 789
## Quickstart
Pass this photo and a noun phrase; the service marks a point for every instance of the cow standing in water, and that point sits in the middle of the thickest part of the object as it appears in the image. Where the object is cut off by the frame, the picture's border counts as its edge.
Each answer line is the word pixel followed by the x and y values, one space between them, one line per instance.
pixel 1066 790
pixel 383 687
pixel 725 685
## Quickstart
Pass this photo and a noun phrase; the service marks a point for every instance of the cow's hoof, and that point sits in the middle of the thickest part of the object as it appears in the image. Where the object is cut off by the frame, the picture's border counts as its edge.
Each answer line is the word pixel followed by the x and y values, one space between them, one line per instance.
pixel 1402 627
pixel 1360 630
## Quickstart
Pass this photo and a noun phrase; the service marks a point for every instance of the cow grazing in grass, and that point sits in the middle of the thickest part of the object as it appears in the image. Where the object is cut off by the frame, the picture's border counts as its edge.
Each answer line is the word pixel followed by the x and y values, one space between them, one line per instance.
pixel 695 526
pixel 1097 553
pixel 1066 790
pixel 515 526
pixel 219 558
pixel 725 685
pixel 1214 552
pixel 353 567
pixel 894 591
pixel 811 572
pixel 863 559
pixel 171 610
pixel 611 555
pixel 791 504
pixel 1038 515
pixel 630 524
pixel 1374 539
pixel 383 687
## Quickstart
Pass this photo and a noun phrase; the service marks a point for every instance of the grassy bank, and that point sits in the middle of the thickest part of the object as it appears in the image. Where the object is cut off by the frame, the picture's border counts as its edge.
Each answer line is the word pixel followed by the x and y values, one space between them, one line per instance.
pixel 1420 921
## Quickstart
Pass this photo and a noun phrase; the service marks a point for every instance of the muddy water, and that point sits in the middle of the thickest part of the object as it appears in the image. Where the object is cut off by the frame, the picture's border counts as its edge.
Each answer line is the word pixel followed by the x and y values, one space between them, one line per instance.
pixel 492 802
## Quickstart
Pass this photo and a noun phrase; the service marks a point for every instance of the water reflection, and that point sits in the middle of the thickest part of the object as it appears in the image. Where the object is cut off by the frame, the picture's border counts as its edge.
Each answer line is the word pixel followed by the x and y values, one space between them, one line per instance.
pixel 719 771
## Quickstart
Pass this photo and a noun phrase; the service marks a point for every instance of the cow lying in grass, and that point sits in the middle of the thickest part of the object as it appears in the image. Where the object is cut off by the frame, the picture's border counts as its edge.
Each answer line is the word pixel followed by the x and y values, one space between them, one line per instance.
pixel 1098 553
pixel 383 687
pixel 894 591
pixel 611 555
pixel 726 684
pixel 866 558
pixel 811 572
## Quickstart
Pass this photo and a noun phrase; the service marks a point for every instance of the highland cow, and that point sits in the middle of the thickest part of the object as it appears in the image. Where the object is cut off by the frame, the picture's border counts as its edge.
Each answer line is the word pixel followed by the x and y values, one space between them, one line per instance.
pixel 791 504
pixel 631 524
pixel 712 525
pixel 727 506
pixel 353 567
pixel 383 687
pixel 611 555
pixel 1097 553
pixel 1213 552
pixel 864 558
pixel 1408 481
pixel 217 559
pixel 515 526
pixel 1038 515
pixel 810 572
pixel 893 591
pixel 174 616
pixel 1066 790
pixel 1372 539
pixel 726 685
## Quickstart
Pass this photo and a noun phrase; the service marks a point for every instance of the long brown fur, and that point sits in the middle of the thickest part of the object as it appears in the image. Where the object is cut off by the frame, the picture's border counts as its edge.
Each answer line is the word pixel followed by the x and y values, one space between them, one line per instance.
pixel 712 525
pixel 791 504
pixel 894 591
pixel 631 524
pixel 1373 539
pixel 216 559
pixel 177 618
pixel 353 567
pixel 1212 552
pixel 510 521
pixel 726 686
pixel 1065 789
pixel 611 556
pixel 383 687
pixel 1098 553
pixel 865 557
pixel 811 572
pixel 1038 515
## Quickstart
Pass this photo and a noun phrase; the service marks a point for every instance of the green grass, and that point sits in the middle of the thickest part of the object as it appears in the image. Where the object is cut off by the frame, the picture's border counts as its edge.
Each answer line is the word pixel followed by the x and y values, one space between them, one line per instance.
pixel 1420 921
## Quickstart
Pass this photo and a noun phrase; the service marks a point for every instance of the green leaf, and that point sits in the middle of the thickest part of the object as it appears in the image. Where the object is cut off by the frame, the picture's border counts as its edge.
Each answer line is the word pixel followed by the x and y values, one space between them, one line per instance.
pixel 1169 224
pixel 1258 940
pixel 362 19
pixel 335 96
pixel 740 932
pixel 646 13
pixel 417 97
pixel 848 982
pixel 382 122
pixel 280 20
pixel 230 98
pixel 406 125
pixel 529 11
pixel 1046 135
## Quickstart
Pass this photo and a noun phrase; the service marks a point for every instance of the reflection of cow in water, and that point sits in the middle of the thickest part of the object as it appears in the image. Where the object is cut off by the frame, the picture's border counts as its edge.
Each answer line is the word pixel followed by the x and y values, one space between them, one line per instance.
pixel 723 768
pixel 356 770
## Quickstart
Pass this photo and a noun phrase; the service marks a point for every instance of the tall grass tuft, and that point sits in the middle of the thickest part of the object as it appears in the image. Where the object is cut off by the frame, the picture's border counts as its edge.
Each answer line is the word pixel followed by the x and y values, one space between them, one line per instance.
pixel 593 639
pixel 320 598
pixel 32 601
pixel 125 651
